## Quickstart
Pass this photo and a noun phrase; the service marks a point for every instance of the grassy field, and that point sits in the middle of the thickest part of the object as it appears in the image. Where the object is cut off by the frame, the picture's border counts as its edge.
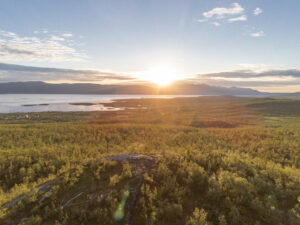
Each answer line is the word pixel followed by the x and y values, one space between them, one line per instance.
pixel 207 160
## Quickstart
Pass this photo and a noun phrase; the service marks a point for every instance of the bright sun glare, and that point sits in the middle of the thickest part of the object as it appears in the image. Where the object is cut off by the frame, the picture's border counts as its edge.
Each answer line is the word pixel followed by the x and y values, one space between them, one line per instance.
pixel 162 75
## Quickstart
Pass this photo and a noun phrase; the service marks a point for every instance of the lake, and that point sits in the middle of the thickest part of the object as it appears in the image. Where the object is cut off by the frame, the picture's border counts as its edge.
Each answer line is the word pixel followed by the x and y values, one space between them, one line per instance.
pixel 12 103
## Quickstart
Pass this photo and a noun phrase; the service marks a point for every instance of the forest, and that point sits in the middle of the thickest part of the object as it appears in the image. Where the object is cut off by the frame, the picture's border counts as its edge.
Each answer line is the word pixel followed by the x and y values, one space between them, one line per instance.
pixel 195 161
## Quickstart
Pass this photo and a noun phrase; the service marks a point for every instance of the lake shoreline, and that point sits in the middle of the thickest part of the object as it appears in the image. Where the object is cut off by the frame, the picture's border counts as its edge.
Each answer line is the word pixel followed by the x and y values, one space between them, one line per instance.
pixel 27 103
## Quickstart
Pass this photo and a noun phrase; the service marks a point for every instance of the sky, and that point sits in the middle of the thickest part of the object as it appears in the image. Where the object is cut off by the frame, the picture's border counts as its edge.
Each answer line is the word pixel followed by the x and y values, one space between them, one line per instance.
pixel 245 43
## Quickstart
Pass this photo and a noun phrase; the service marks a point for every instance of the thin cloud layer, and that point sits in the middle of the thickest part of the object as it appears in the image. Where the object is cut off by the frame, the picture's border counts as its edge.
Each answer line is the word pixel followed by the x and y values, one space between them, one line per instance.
pixel 12 73
pixel 250 73
pixel 260 33
pixel 258 79
pixel 250 78
pixel 240 18
pixel 48 47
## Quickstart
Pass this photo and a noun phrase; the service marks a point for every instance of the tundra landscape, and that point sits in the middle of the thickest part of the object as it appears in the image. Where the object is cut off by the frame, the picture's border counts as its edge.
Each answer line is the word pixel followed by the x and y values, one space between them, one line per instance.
pixel 149 112
pixel 205 160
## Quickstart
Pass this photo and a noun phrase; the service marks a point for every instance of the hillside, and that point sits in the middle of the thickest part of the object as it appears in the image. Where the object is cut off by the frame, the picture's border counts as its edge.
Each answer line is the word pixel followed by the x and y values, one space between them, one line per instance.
pixel 207 160
pixel 178 88
pixel 295 95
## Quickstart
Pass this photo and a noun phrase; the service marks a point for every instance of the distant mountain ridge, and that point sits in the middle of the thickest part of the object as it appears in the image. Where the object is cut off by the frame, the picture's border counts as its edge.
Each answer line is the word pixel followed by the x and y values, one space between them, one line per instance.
pixel 178 88
pixel 295 95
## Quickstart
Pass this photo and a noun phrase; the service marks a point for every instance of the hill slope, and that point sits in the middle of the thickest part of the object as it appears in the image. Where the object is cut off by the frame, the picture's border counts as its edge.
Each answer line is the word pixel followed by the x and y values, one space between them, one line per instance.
pixel 178 88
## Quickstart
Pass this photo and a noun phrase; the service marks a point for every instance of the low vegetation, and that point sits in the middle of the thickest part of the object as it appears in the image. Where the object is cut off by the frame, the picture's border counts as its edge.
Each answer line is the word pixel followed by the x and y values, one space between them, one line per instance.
pixel 195 161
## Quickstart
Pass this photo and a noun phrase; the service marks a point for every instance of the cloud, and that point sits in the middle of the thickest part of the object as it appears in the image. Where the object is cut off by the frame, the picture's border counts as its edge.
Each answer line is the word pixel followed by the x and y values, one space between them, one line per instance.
pixel 56 38
pixel 219 13
pixel 44 47
pixel 216 24
pixel 67 35
pixel 8 50
pixel 258 34
pixel 231 14
pixel 13 72
pixel 251 73
pixel 276 78
pixel 240 18
pixel 257 11
pixel 271 79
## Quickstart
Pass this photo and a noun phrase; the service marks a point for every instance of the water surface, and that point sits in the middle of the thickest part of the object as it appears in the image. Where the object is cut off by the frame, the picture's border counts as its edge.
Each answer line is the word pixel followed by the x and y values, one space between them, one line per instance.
pixel 11 103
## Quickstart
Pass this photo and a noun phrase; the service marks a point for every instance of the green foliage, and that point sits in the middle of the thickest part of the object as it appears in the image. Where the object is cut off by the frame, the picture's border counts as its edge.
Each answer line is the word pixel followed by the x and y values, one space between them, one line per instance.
pixel 199 217
pixel 216 162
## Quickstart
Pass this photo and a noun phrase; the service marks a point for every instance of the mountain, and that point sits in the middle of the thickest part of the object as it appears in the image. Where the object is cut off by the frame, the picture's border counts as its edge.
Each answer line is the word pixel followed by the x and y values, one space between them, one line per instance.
pixel 295 95
pixel 77 88
pixel 178 88
pixel 204 89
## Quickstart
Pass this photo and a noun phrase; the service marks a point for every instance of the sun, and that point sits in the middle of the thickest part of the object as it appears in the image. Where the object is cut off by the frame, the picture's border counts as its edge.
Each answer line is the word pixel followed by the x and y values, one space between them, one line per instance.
pixel 162 75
